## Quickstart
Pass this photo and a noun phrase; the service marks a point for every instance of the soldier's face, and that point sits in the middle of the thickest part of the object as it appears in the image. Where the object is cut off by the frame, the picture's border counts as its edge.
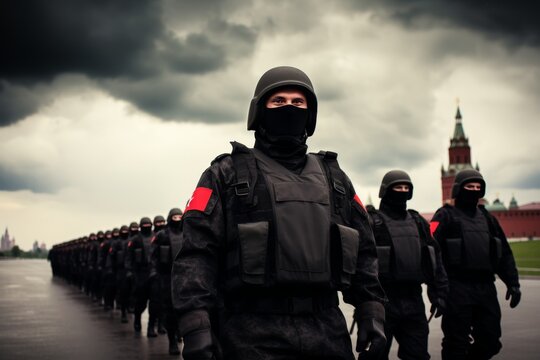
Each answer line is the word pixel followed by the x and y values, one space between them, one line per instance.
pixel 159 223
pixel 287 96
pixel 176 217
pixel 473 186
pixel 401 188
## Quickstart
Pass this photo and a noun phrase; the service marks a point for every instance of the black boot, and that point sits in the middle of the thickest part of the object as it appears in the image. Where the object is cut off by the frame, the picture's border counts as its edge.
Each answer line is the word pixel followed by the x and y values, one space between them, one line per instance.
pixel 160 327
pixel 151 332
pixel 173 346
pixel 137 323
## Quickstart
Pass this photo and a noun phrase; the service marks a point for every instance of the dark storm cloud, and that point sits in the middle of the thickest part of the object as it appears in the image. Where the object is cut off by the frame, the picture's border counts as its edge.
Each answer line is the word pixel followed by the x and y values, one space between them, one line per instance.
pixel 105 40
pixel 13 181
pixel 514 22
pixel 17 102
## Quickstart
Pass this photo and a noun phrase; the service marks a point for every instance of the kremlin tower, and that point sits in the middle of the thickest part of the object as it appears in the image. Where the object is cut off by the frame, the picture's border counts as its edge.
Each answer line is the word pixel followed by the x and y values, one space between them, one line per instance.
pixel 459 154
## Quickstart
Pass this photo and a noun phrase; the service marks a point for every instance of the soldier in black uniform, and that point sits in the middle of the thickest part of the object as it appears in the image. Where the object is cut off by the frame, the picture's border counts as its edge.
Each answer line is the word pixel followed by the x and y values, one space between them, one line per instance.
pixel 89 263
pixel 117 258
pixel 408 256
pixel 270 235
pixel 474 249
pixel 107 272
pixel 159 224
pixel 138 268
pixel 165 246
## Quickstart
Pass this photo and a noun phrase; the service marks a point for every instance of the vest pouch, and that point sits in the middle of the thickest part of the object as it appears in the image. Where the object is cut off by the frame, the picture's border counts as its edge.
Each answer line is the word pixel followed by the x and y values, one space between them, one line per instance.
pixel 253 238
pixel 349 241
pixel 164 251
pixel 383 254
pixel 454 250
pixel 138 256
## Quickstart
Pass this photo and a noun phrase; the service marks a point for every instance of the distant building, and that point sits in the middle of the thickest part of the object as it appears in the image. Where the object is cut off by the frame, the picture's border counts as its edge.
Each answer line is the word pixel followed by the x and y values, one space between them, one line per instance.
pixel 517 221
pixel 6 242
pixel 43 247
pixel 35 246
pixel 459 158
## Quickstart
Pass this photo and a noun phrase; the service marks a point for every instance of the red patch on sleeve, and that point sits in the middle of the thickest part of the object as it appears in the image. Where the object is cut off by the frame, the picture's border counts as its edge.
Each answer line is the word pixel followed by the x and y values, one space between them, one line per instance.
pixel 433 226
pixel 130 243
pixel 101 245
pixel 199 199
pixel 153 239
pixel 110 250
pixel 357 199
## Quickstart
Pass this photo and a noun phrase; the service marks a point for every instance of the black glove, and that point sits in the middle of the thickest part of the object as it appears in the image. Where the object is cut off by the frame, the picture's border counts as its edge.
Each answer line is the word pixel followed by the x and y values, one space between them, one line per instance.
pixel 514 293
pixel 438 307
pixel 371 341
pixel 196 332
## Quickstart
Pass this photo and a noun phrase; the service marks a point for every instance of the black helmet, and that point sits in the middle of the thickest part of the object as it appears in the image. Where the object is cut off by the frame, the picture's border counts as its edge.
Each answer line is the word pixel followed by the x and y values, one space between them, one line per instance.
pixel 467 176
pixel 145 221
pixel 158 218
pixel 395 177
pixel 275 78
pixel 172 212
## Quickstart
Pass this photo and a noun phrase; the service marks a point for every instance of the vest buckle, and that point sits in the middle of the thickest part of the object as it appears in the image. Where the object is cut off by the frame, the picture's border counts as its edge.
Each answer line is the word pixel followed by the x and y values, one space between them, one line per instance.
pixel 241 188
pixel 339 187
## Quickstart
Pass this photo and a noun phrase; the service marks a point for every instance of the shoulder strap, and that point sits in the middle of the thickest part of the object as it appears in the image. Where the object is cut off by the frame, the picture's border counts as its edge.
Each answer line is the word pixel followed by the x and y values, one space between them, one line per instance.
pixel 338 182
pixel 421 225
pixel 246 172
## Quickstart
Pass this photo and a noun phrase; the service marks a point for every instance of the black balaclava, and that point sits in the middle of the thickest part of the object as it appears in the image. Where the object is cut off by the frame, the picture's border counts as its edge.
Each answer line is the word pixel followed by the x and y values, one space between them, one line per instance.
pixel 467 200
pixel 146 226
pixel 124 232
pixel 133 228
pixel 100 236
pixel 116 233
pixel 282 135
pixel 108 235
pixel 394 203
pixel 174 225
pixel 158 219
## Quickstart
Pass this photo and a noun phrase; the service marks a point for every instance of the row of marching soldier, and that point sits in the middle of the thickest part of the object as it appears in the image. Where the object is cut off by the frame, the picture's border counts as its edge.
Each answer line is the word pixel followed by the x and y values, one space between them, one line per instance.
pixel 127 269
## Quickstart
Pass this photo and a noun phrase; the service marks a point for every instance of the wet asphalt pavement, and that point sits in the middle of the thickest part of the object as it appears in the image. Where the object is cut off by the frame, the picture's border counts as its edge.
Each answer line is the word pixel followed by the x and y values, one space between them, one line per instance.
pixel 45 318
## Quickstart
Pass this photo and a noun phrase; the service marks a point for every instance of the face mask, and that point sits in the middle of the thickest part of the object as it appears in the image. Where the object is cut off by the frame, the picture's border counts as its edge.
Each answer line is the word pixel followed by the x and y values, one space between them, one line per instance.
pixel 469 197
pixel 285 120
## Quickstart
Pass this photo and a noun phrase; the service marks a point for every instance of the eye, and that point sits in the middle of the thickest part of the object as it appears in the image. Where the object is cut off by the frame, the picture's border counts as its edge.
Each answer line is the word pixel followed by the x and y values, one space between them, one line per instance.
pixel 278 100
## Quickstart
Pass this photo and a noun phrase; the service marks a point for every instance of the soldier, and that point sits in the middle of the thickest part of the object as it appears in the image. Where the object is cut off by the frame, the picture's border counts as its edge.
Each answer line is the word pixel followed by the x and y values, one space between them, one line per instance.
pixel 107 275
pixel 160 224
pixel 408 256
pixel 138 268
pixel 117 256
pixel 165 246
pixel 474 249
pixel 90 263
pixel 270 235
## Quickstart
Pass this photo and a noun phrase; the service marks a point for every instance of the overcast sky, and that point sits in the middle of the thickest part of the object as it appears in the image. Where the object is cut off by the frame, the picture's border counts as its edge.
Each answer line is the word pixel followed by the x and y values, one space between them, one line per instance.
pixel 110 110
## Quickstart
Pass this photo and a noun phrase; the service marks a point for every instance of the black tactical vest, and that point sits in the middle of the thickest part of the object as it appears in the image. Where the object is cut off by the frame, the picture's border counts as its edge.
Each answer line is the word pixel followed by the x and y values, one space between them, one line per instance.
pixel 284 230
pixel 406 256
pixel 471 246
pixel 406 248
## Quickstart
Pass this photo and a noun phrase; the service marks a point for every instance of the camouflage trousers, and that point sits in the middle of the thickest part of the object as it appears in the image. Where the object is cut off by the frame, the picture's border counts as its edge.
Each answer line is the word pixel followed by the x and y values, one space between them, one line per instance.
pixel 252 336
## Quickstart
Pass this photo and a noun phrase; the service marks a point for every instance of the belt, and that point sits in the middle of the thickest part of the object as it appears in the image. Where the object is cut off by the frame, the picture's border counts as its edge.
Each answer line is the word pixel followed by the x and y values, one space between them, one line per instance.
pixel 283 305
